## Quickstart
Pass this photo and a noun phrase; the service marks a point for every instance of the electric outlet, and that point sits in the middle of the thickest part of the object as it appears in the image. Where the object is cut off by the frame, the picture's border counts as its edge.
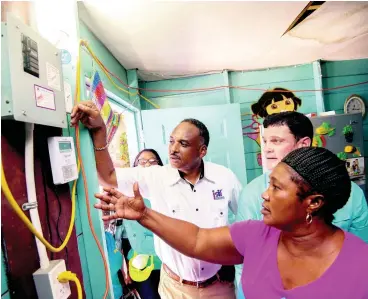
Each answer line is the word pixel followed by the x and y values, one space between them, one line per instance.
pixel 47 284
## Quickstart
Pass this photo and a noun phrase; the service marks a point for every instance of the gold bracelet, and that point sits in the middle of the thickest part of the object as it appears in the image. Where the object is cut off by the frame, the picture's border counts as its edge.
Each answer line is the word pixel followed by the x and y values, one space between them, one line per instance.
pixel 101 148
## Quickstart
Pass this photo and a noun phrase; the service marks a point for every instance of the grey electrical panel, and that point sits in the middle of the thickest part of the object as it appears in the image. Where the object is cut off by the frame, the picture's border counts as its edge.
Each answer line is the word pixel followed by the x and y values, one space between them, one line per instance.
pixel 32 86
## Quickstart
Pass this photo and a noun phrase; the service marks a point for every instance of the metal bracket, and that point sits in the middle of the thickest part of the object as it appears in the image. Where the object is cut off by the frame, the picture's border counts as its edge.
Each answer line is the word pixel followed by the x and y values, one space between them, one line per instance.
pixel 29 205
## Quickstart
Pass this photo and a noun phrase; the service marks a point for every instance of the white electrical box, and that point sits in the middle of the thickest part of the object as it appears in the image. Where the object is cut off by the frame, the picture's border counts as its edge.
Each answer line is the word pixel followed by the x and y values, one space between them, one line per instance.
pixel 32 88
pixel 47 284
pixel 62 158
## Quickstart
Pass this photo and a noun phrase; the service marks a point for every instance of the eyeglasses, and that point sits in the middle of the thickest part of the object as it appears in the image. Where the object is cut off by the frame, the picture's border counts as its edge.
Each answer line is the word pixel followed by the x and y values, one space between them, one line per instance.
pixel 150 161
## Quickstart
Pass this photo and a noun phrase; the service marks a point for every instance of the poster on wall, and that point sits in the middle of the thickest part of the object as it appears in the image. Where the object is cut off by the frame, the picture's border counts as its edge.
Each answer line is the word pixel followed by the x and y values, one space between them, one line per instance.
pixel 355 168
pixel 118 147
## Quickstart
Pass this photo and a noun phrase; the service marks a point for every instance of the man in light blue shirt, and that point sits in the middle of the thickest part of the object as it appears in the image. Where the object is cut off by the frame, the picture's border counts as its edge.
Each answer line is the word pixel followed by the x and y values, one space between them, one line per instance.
pixel 283 133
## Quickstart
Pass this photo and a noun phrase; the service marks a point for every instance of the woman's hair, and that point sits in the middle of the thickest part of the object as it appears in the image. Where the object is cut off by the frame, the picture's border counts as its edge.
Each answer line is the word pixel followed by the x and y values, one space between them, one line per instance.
pixel 159 161
pixel 323 173
pixel 259 108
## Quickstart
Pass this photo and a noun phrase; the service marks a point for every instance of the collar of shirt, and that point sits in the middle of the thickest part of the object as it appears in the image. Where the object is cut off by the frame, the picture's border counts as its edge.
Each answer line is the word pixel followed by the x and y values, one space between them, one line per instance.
pixel 205 173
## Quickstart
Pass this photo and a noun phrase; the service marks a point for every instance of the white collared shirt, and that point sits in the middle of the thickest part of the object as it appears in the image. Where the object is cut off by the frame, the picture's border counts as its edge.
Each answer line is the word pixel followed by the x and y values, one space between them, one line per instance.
pixel 206 206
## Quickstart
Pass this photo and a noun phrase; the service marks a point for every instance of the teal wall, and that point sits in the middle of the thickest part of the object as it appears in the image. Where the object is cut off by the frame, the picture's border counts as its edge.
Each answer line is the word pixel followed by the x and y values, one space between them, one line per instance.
pixel 339 73
pixel 292 78
pixel 298 77
pixel 108 60
pixel 302 77
pixel 184 99
pixel 4 282
pixel 91 261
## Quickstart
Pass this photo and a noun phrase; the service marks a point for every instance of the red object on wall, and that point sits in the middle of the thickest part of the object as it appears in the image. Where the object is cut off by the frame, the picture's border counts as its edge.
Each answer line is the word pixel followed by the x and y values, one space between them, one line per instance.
pixel 18 243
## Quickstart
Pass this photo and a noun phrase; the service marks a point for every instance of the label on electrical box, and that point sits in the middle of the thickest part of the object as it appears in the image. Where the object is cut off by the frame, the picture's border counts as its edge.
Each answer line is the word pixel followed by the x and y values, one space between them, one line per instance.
pixel 53 76
pixel 68 97
pixel 45 98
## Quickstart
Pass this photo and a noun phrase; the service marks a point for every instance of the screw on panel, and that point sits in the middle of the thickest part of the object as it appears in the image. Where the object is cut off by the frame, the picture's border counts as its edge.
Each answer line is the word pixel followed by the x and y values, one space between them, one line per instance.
pixel 56 54
pixel 7 102
pixel 24 113
pixel 17 27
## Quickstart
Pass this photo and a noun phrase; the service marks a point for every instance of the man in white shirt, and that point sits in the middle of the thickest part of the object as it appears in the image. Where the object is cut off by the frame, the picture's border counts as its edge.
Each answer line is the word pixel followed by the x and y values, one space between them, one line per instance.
pixel 188 189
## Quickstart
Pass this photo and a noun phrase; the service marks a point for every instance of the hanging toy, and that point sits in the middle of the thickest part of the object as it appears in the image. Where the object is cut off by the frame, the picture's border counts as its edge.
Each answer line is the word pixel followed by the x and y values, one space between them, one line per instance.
pixel 325 129
pixel 348 132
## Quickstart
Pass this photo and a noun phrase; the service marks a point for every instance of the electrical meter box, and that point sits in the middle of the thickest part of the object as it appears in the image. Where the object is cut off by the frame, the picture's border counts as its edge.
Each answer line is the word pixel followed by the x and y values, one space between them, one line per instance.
pixel 62 159
pixel 32 87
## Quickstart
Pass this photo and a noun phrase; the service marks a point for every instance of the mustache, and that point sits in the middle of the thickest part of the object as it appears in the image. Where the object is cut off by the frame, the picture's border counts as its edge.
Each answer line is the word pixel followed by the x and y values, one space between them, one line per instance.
pixel 174 156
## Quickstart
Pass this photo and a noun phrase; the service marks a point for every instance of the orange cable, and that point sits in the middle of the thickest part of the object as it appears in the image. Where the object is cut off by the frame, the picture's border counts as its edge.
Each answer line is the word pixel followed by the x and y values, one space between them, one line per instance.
pixel 77 98
pixel 89 216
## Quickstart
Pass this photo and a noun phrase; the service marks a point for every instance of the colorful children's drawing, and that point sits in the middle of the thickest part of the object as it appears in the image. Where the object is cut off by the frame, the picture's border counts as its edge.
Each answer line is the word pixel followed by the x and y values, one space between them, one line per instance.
pixel 99 97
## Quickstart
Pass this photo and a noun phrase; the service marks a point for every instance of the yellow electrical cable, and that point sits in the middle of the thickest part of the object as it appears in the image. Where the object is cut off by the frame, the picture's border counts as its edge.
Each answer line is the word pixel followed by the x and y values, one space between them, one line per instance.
pixel 9 196
pixel 66 276
pixel 85 44
pixel 77 100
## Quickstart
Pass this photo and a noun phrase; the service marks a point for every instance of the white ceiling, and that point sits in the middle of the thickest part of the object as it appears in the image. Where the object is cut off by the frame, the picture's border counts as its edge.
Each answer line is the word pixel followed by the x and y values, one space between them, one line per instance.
pixel 188 37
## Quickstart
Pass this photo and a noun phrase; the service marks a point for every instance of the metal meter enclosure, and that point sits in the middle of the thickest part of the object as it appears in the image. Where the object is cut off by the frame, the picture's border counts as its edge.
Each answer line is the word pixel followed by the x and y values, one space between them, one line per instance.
pixel 32 86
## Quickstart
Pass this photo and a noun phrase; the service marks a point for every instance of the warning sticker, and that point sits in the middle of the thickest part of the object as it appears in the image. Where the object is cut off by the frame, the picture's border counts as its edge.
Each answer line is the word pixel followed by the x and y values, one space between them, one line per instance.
pixel 45 98
pixel 68 97
pixel 53 76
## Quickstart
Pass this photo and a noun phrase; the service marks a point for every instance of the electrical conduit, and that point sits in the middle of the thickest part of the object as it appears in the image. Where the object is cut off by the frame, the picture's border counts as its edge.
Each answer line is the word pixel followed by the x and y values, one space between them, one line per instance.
pixel 31 194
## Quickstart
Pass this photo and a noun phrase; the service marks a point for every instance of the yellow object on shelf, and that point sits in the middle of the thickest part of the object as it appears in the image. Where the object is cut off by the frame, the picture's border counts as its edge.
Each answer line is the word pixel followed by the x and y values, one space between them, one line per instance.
pixel 349 149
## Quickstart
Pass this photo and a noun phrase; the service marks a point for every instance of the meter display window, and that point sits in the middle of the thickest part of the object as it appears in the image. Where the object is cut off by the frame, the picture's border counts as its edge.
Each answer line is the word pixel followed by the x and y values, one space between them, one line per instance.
pixel 65 146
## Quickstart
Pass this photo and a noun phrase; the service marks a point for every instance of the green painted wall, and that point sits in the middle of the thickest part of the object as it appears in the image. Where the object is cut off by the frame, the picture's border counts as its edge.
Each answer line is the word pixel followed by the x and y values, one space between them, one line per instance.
pixel 298 77
pixel 4 280
pixel 107 59
pixel 184 99
pixel 92 266
pixel 340 73
pixel 292 78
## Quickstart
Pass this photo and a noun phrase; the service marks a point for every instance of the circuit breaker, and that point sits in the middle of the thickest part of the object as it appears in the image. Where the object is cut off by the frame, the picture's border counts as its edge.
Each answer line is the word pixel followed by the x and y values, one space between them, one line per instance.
pixel 32 87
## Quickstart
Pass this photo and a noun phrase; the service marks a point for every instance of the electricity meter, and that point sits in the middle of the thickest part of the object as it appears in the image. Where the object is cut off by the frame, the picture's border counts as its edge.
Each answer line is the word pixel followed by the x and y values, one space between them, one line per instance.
pixel 62 157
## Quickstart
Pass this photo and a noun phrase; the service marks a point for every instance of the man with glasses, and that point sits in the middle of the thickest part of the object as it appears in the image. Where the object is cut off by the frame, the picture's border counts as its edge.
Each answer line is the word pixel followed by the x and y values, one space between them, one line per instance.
pixel 188 189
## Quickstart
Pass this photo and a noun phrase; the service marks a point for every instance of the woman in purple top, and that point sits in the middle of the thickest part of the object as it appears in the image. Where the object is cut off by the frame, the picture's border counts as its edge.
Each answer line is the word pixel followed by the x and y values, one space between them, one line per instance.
pixel 295 252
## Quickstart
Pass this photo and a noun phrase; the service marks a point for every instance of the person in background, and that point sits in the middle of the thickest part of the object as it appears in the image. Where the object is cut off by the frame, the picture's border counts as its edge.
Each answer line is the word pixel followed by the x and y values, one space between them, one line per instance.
pixel 139 240
pixel 295 252
pixel 284 132
pixel 189 188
